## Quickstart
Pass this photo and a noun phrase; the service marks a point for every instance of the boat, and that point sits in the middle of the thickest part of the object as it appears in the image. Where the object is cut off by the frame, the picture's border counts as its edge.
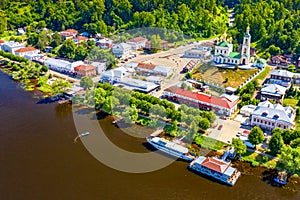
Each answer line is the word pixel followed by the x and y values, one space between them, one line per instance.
pixel 216 168
pixel 171 148
pixel 281 178
pixel 84 134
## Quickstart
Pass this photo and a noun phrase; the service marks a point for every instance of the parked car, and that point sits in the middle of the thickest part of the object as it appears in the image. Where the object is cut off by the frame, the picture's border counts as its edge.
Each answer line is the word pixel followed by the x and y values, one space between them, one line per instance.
pixel 220 127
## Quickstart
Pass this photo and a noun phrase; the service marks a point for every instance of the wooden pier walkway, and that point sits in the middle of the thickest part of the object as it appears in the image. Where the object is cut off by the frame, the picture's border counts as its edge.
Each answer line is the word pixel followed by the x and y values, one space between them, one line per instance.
pixel 157 132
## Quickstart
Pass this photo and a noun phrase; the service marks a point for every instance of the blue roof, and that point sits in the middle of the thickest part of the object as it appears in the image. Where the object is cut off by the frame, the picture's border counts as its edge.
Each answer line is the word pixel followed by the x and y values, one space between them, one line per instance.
pixel 229 171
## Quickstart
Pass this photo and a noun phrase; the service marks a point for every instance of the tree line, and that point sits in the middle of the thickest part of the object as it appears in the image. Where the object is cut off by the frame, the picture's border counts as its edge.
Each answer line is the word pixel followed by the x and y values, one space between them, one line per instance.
pixel 195 18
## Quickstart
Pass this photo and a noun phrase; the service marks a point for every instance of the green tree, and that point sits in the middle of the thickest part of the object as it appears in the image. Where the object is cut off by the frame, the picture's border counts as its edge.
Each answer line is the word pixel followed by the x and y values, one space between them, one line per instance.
pixel 68 49
pixel 287 136
pixel 100 95
pixel 60 86
pixel 109 104
pixel 290 158
pixel 204 123
pixel 86 82
pixel 56 40
pixel 3 22
pixel 101 54
pixel 256 136
pixel 239 146
pixel 295 143
pixel 130 115
pixel 155 43
pixel 158 111
pixel 188 75
pixel 174 129
pixel 276 143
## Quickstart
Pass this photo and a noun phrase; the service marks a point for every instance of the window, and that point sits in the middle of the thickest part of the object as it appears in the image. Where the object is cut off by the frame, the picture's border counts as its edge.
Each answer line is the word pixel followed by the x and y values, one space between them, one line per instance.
pixel 217 51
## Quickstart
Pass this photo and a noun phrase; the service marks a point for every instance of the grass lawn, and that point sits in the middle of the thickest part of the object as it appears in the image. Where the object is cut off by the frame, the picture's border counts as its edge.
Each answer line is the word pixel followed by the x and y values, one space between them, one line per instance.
pixel 209 143
pixel 255 159
pixel 290 102
pixel 213 74
pixel 261 77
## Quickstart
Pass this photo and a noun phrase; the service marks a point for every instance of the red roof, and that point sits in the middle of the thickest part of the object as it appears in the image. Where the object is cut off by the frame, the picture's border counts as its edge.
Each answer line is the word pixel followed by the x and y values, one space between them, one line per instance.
pixel 80 38
pixel 1 41
pixel 73 31
pixel 26 49
pixel 137 39
pixel 222 102
pixel 216 165
pixel 84 68
pixel 246 132
pixel 146 66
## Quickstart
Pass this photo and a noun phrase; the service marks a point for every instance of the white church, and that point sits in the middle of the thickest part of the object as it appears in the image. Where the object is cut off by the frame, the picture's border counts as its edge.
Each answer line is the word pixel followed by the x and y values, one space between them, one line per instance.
pixel 224 53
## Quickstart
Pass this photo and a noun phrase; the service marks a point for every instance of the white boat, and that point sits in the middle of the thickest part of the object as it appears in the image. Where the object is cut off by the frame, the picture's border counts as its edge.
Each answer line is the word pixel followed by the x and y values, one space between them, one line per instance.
pixel 84 134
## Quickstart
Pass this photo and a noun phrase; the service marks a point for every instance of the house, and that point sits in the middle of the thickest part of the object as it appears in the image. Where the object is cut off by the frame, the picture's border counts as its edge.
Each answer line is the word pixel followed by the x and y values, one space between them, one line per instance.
pixel 155 79
pixel 247 110
pixel 273 92
pixel 68 34
pixel 79 39
pixel 260 63
pixel 164 45
pixel 163 71
pixel 189 66
pixel 197 53
pixel 121 50
pixel 62 65
pixel 224 105
pixel 281 77
pixel 20 31
pixel 137 43
pixel 26 51
pixel 151 69
pixel 145 68
pixel 115 75
pixel 281 61
pixel 1 43
pixel 100 66
pixel 85 70
pixel 137 85
pixel 12 46
pixel 105 43
pixel 224 53
pixel 268 116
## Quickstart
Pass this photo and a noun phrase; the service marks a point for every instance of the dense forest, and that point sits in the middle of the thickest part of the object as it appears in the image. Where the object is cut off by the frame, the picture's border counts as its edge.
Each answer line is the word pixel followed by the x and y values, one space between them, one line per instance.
pixel 275 24
pixel 193 17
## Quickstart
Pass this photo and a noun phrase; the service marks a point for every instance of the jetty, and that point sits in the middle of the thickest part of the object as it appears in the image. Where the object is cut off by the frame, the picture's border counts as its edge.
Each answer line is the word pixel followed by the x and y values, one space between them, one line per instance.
pixel 157 132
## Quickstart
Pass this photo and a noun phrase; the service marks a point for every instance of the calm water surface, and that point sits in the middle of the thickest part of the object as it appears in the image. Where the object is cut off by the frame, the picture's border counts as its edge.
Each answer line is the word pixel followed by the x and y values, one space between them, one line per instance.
pixel 39 160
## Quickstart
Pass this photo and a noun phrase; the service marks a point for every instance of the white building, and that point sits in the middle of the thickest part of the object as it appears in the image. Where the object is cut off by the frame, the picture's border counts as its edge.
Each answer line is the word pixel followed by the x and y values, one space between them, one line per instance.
pixel 224 53
pixel 26 51
pixel 115 75
pixel 12 46
pixel 121 50
pixel 268 116
pixel 62 65
pixel 137 43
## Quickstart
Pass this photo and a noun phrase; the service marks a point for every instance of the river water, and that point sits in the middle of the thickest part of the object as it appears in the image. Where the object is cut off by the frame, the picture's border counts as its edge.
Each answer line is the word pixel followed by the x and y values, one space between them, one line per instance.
pixel 39 160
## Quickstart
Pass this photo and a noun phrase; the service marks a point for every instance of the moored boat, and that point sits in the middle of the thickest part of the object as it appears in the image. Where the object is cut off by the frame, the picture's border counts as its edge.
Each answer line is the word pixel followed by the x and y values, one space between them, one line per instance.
pixel 84 134
pixel 171 148
pixel 281 178
pixel 216 168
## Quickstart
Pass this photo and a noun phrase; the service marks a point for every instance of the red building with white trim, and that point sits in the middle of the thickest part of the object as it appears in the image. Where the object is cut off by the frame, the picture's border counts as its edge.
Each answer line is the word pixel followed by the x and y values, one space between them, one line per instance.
pixel 223 105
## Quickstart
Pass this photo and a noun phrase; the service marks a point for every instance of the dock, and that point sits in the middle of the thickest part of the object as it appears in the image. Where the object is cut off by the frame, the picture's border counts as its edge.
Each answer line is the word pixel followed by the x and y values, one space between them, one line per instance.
pixel 157 132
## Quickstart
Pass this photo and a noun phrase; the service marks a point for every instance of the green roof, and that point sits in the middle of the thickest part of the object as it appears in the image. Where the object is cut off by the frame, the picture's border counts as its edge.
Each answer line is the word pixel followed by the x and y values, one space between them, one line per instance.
pixel 261 61
pixel 234 55
pixel 223 44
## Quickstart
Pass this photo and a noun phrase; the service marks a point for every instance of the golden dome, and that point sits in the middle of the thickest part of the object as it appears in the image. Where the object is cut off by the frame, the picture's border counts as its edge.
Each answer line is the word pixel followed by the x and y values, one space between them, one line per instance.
pixel 248 28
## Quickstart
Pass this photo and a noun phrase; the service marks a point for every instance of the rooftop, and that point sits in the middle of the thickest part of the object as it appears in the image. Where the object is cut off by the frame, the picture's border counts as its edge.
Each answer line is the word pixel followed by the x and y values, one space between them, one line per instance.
pixel 84 68
pixel 283 73
pixel 136 84
pixel 213 164
pixel 222 44
pixel 148 66
pixel 202 97
pixel 273 89
pixel 26 49
pixel 236 55
pixel 276 112
pixel 137 39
